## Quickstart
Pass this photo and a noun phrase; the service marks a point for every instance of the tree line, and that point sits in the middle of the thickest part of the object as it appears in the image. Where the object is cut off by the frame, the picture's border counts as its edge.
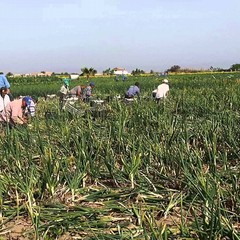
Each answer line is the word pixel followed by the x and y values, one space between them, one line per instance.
pixel 174 69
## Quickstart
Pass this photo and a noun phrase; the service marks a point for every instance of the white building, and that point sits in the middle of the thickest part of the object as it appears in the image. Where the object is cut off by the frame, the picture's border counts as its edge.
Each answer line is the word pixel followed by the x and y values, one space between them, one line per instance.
pixel 120 71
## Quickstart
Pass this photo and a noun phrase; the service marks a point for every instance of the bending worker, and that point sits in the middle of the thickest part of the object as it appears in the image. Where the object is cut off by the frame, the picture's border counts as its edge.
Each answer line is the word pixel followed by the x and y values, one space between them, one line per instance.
pixel 76 91
pixel 15 113
pixel 133 91
pixel 162 90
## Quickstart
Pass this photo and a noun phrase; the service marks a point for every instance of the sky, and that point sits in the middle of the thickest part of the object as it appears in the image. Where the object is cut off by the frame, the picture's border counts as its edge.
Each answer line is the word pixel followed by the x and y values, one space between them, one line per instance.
pixel 65 36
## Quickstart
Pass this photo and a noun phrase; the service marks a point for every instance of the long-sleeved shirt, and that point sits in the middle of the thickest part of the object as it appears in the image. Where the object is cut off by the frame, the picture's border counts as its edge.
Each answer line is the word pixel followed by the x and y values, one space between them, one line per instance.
pixel 87 92
pixel 4 82
pixel 13 113
pixel 4 102
pixel 64 89
pixel 133 91
pixel 32 109
pixel 76 91
pixel 162 90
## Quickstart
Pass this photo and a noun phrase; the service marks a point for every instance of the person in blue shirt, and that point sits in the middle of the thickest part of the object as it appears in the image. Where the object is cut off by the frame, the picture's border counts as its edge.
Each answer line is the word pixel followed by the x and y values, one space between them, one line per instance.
pixel 133 91
pixel 87 92
pixel 3 81
pixel 32 106
pixel 5 84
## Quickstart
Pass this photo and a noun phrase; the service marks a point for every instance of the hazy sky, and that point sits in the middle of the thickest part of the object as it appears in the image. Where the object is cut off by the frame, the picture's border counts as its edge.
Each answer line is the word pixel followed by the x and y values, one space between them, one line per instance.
pixel 59 36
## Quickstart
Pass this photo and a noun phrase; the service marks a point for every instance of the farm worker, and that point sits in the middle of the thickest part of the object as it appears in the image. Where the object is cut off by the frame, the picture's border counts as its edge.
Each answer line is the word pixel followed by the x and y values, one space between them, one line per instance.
pixel 76 91
pixel 87 92
pixel 162 90
pixel 133 91
pixel 31 109
pixel 5 83
pixel 15 112
pixel 65 87
pixel 4 98
pixel 124 78
pixel 64 90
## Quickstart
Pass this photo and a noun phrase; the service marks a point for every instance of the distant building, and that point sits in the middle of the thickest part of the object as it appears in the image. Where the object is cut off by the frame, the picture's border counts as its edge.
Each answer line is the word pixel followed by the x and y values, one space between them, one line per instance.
pixel 120 71
pixel 41 74
pixel 17 75
pixel 48 74
pixel 34 74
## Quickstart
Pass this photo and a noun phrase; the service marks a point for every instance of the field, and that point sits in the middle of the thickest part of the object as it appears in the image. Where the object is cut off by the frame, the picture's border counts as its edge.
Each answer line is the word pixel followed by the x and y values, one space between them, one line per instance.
pixel 145 171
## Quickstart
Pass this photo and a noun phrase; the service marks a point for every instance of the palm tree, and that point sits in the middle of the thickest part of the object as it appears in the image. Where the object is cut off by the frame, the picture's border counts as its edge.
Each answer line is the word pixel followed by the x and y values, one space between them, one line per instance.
pixel 108 71
pixel 88 72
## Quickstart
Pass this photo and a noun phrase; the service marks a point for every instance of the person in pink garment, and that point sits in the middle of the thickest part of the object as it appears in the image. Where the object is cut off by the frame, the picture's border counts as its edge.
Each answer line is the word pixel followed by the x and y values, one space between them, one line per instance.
pixel 15 112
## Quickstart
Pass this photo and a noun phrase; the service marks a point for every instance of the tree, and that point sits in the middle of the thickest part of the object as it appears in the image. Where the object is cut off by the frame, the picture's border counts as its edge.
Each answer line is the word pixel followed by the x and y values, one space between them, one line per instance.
pixel 211 68
pixel 88 72
pixel 174 68
pixel 9 74
pixel 235 67
pixel 108 71
pixel 137 71
pixel 92 71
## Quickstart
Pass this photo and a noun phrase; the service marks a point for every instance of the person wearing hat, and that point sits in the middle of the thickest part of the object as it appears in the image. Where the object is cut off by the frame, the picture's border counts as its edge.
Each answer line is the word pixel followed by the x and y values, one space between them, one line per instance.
pixel 87 92
pixel 15 112
pixel 31 108
pixel 64 90
pixel 65 87
pixel 161 91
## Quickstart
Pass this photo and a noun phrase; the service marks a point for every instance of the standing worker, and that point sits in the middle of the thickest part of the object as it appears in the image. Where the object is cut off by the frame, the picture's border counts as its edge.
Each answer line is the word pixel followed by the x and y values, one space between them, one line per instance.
pixel 4 83
pixel 65 87
pixel 64 90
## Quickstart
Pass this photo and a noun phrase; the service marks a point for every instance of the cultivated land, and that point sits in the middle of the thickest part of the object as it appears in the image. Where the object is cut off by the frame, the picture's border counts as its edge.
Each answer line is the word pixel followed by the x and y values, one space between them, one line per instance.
pixel 139 171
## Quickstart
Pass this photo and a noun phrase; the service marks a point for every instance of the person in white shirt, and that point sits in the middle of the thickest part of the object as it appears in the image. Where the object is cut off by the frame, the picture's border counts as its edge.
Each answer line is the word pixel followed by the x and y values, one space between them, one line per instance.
pixel 4 98
pixel 162 90
pixel 64 90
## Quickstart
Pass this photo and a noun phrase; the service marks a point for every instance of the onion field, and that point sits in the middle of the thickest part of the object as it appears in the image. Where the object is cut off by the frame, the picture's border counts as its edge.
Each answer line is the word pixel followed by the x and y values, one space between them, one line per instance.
pixel 142 171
